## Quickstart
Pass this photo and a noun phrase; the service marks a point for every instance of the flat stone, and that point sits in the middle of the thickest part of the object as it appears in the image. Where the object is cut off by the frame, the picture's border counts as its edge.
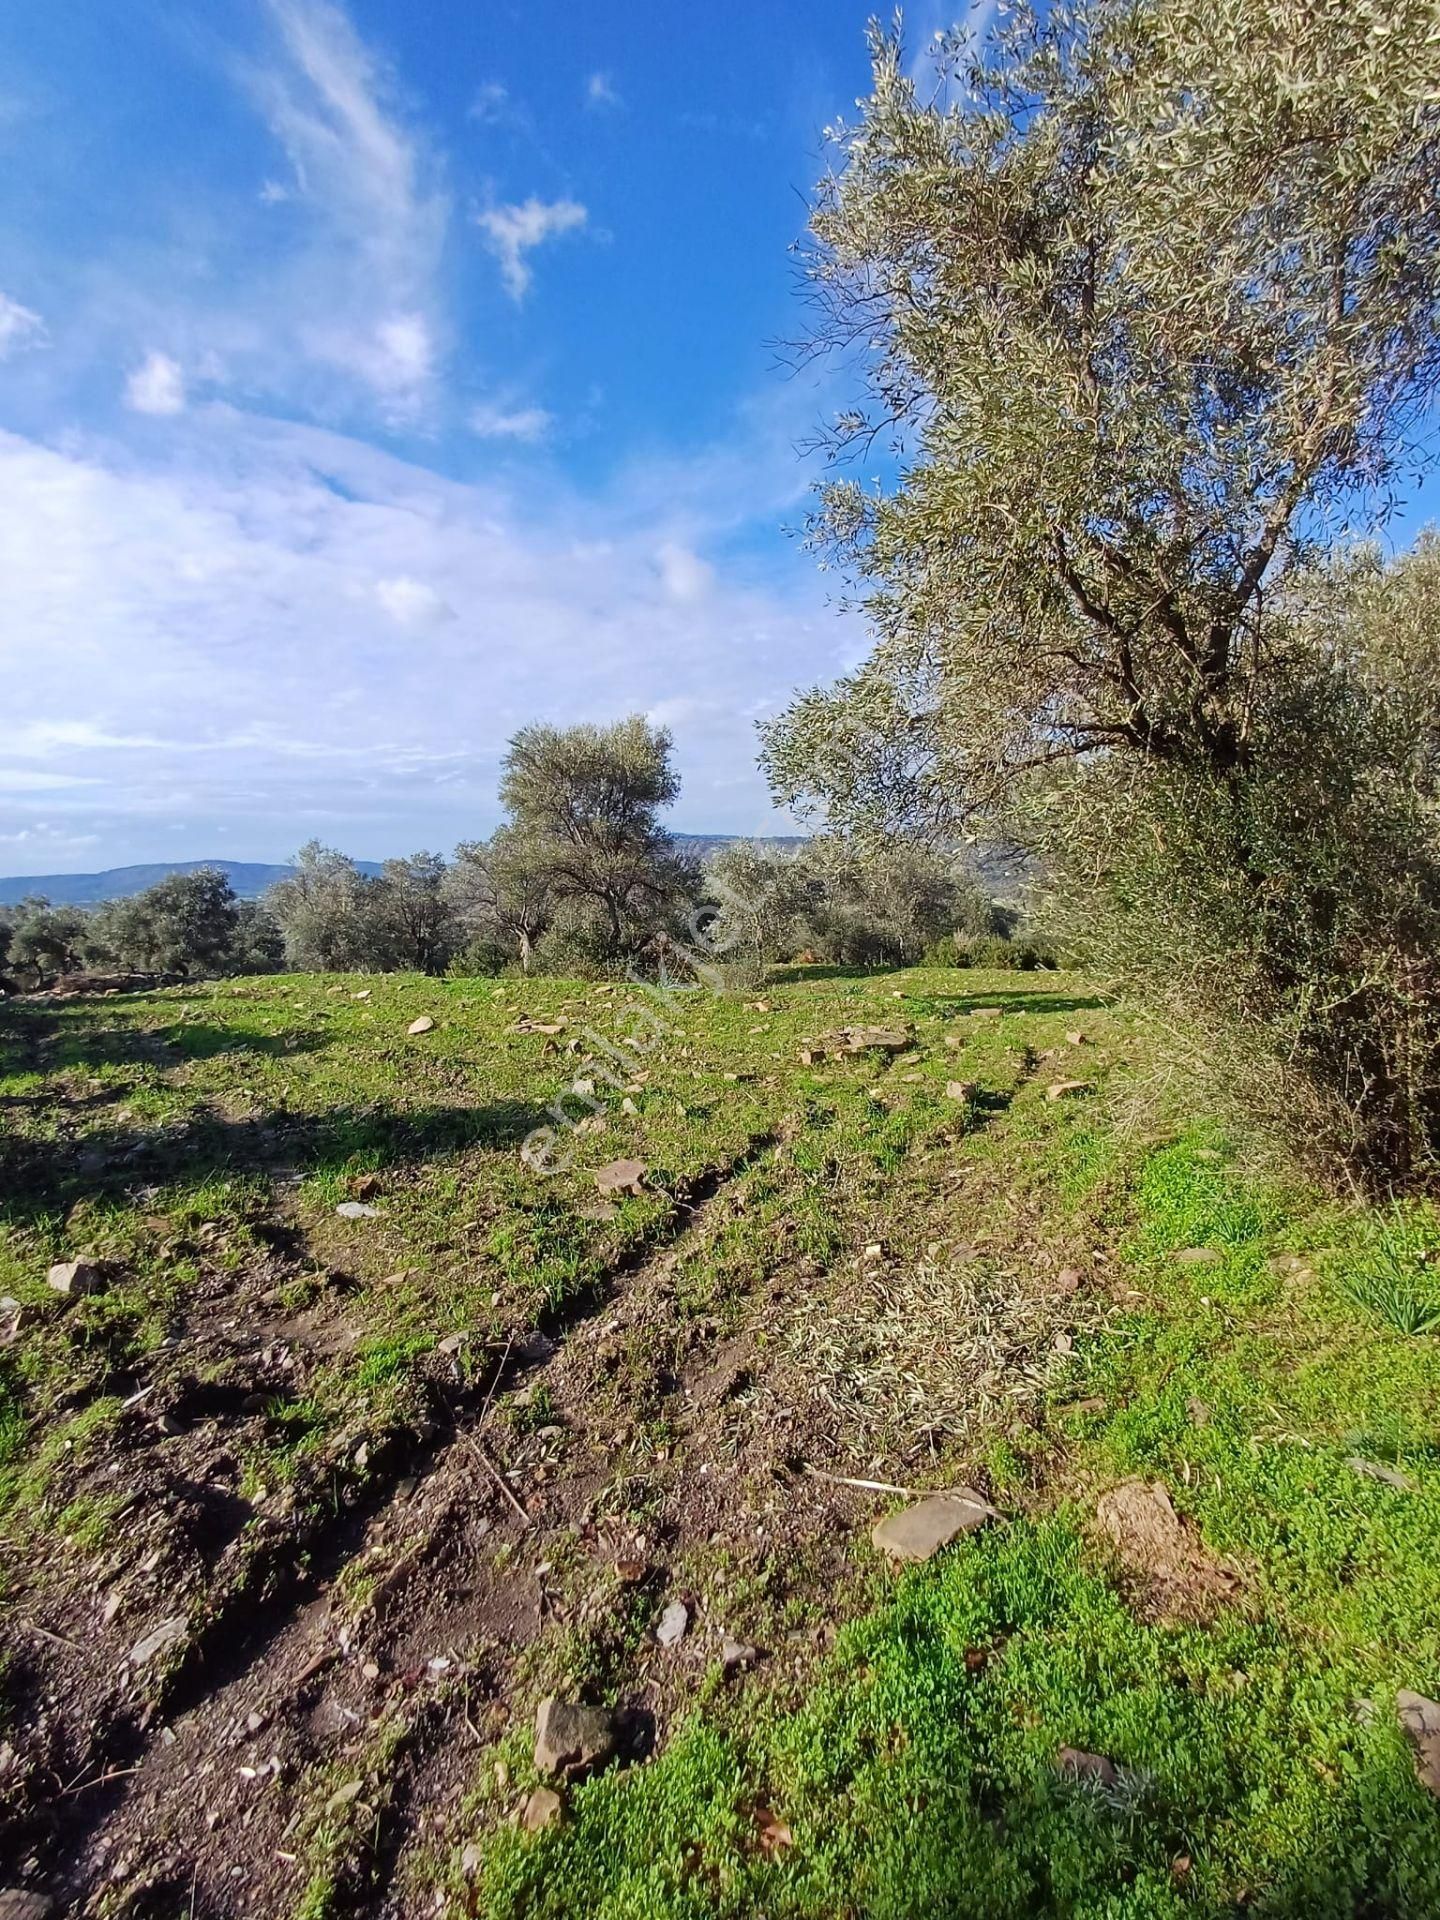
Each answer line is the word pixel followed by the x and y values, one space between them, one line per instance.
pixel 544 1808
pixel 168 1634
pixel 356 1210
pixel 875 1039
pixel 1197 1257
pixel 621 1176
pixel 1420 1722
pixel 571 1740
pixel 673 1622
pixel 735 1654
pixel 74 1278
pixel 422 1025
pixel 920 1531
pixel 960 1090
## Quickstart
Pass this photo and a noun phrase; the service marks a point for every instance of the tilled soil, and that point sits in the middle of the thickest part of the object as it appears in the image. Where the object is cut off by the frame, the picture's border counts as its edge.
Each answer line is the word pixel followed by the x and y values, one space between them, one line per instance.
pixel 354 1668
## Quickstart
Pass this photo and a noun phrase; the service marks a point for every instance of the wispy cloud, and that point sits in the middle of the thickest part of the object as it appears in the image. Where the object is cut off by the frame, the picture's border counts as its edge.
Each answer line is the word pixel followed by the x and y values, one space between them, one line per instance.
pixel 512 232
pixel 500 422
pixel 369 184
pixel 19 327
pixel 157 385
pixel 600 91
pixel 492 105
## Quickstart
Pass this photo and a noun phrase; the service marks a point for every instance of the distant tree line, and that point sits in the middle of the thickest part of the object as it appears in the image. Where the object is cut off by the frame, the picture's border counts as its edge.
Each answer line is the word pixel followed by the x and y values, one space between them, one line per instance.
pixel 580 878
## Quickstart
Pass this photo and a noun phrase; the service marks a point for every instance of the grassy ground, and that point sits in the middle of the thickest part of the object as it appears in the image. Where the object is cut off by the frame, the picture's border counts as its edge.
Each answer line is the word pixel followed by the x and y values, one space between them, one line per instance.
pixel 888 1278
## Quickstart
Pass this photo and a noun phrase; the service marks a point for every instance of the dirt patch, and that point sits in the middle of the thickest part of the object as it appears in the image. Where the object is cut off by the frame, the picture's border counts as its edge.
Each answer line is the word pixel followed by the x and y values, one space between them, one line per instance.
pixel 1169 1571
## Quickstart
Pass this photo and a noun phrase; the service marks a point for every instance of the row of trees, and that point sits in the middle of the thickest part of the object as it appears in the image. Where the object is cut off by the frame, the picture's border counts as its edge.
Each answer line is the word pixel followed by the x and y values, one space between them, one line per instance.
pixel 187 924
pixel 580 877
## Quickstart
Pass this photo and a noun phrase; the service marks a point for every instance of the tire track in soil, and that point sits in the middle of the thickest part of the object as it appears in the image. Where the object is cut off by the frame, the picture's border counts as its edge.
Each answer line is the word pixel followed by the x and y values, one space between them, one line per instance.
pixel 275 1691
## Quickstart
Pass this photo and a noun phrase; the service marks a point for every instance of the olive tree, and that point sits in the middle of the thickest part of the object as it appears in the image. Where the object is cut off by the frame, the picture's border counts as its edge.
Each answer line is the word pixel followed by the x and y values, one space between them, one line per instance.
pixel 47 940
pixel 1149 303
pixel 1152 307
pixel 584 803
pixel 415 921
pixel 501 891
pixel 185 924
pixel 327 912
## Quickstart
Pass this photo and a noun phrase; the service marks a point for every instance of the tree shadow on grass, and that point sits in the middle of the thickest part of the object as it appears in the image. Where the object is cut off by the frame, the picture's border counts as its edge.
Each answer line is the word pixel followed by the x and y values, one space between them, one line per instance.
pixel 39 1037
pixel 46 1177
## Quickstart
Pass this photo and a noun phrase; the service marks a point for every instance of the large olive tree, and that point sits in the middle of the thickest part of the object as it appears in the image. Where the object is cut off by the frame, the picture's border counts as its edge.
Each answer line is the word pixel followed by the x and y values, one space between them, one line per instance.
pixel 1150 304
pixel 1151 310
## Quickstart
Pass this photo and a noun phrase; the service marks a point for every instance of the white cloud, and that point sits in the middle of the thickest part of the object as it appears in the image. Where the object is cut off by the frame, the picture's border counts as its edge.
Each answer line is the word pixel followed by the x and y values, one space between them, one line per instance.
pixel 494 422
pixel 28 780
pixel 275 193
pixel 683 574
pixel 600 91
pixel 412 603
pixel 157 385
pixel 19 327
pixel 513 231
pixel 283 632
pixel 395 358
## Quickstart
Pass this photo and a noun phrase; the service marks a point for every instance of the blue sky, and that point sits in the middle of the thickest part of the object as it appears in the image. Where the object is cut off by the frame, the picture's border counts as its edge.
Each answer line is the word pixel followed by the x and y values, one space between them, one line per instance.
pixel 375 378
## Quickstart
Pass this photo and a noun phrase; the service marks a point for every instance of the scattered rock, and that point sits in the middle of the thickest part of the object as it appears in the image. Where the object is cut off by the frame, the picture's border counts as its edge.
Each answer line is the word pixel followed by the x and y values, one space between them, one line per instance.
pixel 18 1904
pixel 1373 1470
pixel 544 1808
pixel 571 1740
pixel 673 1622
pixel 367 1186
pixel 364 994
pixel 423 1025
pixel 356 1210
pixel 735 1655
pixel 1093 1768
pixel 1076 1038
pixel 1420 1722
pixel 344 1796
pixel 920 1531
pixel 960 1090
pixel 1068 1279
pixel 168 1634
pixel 1197 1257
pixel 774 1834
pixel 75 1278
pixel 1059 1089
pixel 622 1176
pixel 875 1039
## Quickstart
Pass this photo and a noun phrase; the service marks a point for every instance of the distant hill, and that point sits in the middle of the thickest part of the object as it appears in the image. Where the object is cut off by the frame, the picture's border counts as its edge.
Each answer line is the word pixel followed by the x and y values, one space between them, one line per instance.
pixel 1001 871
pixel 247 877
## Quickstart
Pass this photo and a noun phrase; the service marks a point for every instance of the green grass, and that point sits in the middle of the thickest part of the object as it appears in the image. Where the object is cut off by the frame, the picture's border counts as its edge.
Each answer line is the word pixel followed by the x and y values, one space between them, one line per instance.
pixel 1272 1357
